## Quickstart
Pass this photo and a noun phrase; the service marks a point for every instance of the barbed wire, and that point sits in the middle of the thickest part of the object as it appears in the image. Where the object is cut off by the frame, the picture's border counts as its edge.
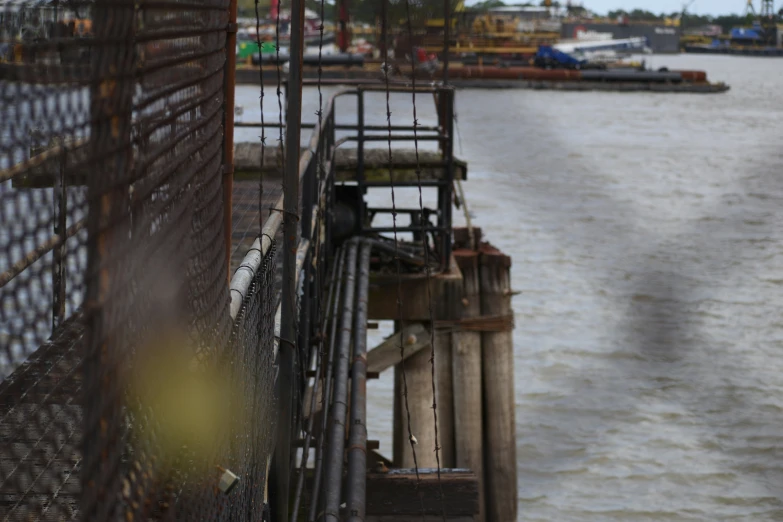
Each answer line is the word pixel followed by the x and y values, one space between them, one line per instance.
pixel 263 127
pixel 424 224
pixel 281 141
pixel 386 73
pixel 319 346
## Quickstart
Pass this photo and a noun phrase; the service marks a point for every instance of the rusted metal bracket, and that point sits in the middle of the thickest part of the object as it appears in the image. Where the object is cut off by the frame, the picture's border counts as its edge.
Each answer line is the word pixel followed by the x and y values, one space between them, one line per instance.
pixel 231 27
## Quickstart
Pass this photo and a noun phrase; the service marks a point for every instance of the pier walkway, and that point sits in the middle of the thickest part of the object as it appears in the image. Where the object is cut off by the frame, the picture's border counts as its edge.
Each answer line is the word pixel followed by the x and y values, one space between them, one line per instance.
pixel 176 345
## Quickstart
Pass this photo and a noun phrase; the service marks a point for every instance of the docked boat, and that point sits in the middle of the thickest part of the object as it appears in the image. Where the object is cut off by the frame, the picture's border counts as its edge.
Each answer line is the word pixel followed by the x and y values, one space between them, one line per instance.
pixel 757 40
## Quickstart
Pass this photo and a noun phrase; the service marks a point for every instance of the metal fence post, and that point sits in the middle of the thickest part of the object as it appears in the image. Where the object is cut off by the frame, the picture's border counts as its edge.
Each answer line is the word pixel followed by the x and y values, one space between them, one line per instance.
pixel 60 226
pixel 290 243
pixel 448 100
pixel 228 124
pixel 112 86
pixel 360 156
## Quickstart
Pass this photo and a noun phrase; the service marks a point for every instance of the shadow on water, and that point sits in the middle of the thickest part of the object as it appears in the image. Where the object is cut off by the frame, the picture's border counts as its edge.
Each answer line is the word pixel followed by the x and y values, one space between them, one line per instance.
pixel 662 374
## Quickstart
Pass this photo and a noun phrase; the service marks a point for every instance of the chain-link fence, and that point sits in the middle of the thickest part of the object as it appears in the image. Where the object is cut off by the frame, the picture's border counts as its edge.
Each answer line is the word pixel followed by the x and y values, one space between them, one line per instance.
pixel 128 389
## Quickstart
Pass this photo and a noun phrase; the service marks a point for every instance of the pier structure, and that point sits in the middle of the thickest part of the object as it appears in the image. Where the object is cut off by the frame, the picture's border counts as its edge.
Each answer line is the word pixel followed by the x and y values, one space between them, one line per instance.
pixel 183 330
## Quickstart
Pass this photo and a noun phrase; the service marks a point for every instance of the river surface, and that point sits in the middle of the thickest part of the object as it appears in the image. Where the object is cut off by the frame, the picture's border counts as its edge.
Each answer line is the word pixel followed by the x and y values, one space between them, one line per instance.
pixel 645 231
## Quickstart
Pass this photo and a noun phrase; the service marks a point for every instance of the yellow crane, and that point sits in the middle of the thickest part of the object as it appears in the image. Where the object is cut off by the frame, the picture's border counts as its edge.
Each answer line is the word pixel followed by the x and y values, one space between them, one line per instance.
pixel 459 7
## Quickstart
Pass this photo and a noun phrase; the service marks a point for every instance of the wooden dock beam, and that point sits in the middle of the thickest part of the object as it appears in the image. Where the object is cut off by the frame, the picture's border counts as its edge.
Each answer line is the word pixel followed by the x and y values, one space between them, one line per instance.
pixel 487 326
pixel 474 377
pixel 397 496
pixel 467 377
pixel 445 291
pixel 497 347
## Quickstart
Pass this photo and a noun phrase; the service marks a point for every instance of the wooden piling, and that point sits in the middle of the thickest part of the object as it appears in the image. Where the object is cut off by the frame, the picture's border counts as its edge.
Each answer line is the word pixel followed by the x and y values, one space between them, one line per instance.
pixel 418 374
pixel 498 378
pixel 420 382
pixel 445 291
pixel 467 377
pixel 416 345
pixel 445 396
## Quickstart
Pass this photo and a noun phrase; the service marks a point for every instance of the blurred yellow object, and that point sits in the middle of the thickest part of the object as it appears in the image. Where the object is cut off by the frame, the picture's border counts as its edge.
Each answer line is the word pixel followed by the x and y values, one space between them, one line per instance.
pixel 180 405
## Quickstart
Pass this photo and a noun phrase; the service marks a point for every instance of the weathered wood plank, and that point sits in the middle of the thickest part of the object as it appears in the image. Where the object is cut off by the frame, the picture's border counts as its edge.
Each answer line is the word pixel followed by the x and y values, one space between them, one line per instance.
pixel 498 367
pixel 418 375
pixel 415 337
pixel 399 494
pixel 247 161
pixel 418 518
pixel 445 292
pixel 445 395
pixel 467 378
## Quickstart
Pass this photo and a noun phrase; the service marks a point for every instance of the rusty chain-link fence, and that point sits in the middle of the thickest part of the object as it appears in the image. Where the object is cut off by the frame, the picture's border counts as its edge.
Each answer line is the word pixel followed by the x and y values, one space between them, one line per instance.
pixel 128 387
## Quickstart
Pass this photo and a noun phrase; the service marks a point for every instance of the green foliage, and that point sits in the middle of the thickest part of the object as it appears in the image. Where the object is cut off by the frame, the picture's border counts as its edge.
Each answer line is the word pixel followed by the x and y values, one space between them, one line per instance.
pixel 726 22
pixel 246 8
pixel 368 11
pixel 484 5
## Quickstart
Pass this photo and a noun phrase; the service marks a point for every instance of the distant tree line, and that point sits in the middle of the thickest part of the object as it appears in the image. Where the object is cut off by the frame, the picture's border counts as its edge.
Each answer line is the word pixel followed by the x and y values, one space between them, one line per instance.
pixel 365 11
pixel 368 11
pixel 726 22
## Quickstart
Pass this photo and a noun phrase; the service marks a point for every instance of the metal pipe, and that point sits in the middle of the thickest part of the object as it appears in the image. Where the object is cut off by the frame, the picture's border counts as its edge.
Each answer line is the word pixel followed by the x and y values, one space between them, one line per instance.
pixel 357 443
pixel 240 283
pixel 334 459
pixel 374 84
pixel 399 137
pixel 331 303
pixel 448 96
pixel 346 59
pixel 342 126
pixel 319 456
pixel 41 250
pixel 270 124
pixel 38 160
pixel 244 275
pixel 385 128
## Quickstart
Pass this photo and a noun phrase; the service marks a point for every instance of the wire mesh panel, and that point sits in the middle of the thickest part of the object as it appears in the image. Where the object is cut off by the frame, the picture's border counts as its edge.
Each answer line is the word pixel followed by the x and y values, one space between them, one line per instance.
pixel 44 160
pixel 252 339
pixel 127 391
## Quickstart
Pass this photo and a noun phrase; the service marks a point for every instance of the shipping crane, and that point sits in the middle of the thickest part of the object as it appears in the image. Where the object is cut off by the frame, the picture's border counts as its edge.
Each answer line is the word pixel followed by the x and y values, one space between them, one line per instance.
pixel 766 19
pixel 685 7
pixel 767 10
